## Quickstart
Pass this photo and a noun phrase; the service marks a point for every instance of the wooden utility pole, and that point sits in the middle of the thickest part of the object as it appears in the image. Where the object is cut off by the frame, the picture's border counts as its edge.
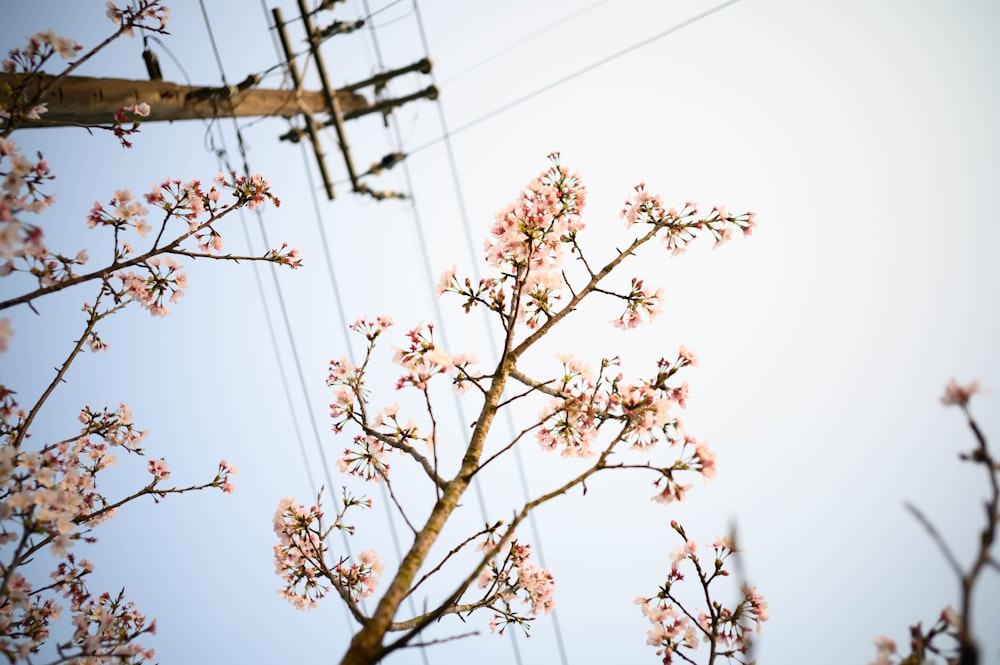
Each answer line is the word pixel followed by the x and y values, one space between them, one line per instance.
pixel 84 101
pixel 81 100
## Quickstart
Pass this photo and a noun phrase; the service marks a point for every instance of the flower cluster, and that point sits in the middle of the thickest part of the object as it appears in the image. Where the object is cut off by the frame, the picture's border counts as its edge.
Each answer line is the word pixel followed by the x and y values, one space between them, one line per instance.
pixel 189 203
pixel 694 455
pixel 529 238
pixel 105 628
pixel 571 421
pixel 512 578
pixel 41 46
pixel 126 115
pixel 526 245
pixel 423 359
pixel 640 299
pixel 584 403
pixel 366 459
pixel 727 629
pixel 147 14
pixel 923 643
pixel 347 382
pixel 679 227
pixel 23 247
pixel 300 555
pixel 162 281
pixel 529 234
pixel 528 289
pixel 49 494
pixel 121 212
pixel 299 552
pixel 49 501
pixel 21 192
pixel 284 256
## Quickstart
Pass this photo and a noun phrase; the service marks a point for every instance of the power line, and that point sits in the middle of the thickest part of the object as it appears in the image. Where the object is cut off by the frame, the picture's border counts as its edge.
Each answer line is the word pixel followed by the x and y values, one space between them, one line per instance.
pixel 221 157
pixel 323 37
pixel 343 328
pixel 524 40
pixel 281 301
pixel 211 39
pixel 580 72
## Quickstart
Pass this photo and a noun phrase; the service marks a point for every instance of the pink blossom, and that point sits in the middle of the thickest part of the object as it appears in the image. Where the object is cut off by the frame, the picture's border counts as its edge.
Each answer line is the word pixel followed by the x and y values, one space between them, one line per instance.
pixel 642 207
pixel 707 459
pixel 485 578
pixel 684 551
pixel 159 469
pixel 680 395
pixel 688 357
pixel 641 299
pixel 672 491
pixel 36 112
pixel 6 332
pixel 955 394
pixel 531 231
pixel 758 606
pixel 447 277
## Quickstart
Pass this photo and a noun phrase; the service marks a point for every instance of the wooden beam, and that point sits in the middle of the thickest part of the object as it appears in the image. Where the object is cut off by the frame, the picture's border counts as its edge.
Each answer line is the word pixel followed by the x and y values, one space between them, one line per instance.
pixel 80 100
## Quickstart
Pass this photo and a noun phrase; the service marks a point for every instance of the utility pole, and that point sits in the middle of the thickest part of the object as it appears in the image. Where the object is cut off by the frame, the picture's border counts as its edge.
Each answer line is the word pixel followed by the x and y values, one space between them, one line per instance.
pixel 85 101
pixel 82 100
pixel 336 110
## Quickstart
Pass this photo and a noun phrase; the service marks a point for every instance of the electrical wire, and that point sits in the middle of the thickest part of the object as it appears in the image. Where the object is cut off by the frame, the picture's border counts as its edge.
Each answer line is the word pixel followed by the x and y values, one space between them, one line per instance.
pixel 220 154
pixel 524 40
pixel 389 22
pixel 386 499
pixel 576 74
pixel 308 49
pixel 281 300
pixel 281 303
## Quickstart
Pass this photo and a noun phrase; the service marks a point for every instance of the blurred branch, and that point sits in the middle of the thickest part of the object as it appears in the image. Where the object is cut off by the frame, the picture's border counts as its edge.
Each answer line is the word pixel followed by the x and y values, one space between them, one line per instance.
pixel 926 523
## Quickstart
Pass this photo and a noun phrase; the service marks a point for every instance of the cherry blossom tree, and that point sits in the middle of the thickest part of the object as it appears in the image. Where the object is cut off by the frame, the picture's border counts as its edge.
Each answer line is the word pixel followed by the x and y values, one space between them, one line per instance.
pixel 50 499
pixel 49 496
pixel 540 275
pixel 950 636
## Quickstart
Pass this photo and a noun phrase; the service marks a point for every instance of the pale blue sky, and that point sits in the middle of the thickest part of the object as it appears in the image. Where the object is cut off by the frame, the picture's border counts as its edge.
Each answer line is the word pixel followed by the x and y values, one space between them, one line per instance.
pixel 863 133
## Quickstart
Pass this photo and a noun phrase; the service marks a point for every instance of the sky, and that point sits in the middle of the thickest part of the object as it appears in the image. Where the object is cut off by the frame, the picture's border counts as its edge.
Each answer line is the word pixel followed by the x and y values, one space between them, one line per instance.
pixel 863 135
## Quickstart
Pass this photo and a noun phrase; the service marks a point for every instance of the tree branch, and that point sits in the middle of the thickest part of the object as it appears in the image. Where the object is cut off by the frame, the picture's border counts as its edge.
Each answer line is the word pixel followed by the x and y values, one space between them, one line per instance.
pixel 409 450
pixel 105 273
pixel 936 536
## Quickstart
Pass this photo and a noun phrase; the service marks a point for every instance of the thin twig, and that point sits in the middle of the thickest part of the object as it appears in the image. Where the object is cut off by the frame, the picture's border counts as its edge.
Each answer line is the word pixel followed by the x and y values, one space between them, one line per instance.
pixel 441 640
pixel 399 507
pixel 92 320
pixel 952 561
pixel 409 450
pixel 454 551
